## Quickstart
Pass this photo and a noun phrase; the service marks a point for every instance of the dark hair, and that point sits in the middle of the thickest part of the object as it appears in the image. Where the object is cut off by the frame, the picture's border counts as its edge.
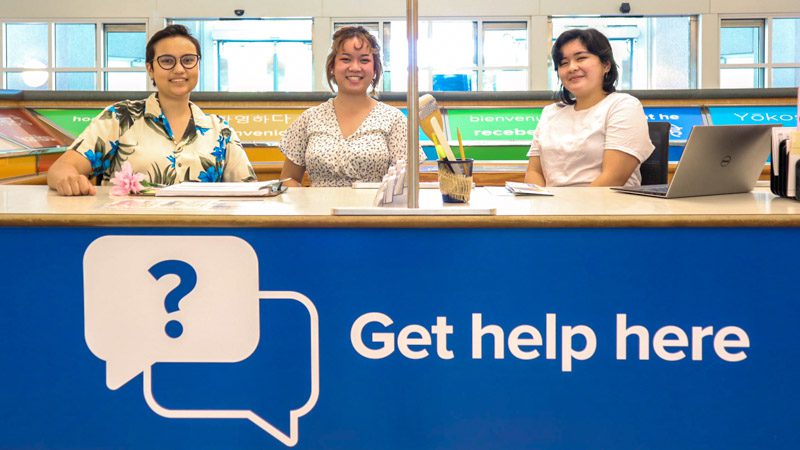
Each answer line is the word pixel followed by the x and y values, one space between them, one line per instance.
pixel 360 33
pixel 597 44
pixel 169 31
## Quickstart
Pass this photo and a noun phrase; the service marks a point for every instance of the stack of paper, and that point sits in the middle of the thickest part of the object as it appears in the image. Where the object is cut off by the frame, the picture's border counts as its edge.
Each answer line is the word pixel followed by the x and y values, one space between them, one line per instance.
pixel 526 189
pixel 240 189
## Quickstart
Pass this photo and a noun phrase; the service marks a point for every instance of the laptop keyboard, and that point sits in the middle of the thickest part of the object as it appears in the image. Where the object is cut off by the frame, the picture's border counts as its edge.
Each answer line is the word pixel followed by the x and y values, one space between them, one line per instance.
pixel 654 189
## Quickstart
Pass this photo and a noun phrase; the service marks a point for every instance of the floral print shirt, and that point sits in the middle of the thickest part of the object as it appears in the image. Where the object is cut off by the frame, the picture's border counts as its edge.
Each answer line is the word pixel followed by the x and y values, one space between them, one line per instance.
pixel 315 142
pixel 137 131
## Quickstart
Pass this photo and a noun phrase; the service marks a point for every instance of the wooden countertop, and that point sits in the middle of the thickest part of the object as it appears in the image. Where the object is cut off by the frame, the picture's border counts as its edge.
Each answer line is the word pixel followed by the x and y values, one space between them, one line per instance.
pixel 311 208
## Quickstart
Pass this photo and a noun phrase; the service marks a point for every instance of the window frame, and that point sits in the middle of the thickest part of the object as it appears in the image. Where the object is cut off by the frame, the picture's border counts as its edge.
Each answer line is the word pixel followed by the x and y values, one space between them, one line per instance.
pixel 99 69
pixel 694 38
pixel 767 65
pixel 478 24
pixel 213 84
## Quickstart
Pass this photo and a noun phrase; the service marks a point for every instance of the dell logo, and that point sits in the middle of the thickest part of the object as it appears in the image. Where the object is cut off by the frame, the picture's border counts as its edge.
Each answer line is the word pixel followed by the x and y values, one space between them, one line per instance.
pixel 725 161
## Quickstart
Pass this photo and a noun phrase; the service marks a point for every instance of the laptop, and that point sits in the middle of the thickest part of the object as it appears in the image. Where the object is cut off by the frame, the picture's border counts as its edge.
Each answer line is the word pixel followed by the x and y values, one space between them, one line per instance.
pixel 716 160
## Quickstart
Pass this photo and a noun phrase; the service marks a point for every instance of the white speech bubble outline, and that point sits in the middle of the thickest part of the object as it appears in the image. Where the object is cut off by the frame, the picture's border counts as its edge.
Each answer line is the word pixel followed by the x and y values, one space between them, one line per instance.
pixel 293 437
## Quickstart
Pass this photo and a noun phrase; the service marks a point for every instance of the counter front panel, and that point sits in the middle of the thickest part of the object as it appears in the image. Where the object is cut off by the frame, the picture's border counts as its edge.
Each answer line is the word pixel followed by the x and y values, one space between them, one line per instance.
pixel 624 338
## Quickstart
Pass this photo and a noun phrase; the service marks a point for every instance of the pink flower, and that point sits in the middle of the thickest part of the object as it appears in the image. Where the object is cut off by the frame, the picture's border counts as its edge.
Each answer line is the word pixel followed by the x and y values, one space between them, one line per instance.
pixel 125 181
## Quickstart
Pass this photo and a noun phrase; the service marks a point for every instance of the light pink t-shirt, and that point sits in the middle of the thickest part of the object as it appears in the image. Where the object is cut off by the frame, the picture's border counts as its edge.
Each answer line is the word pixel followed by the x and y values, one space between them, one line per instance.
pixel 570 144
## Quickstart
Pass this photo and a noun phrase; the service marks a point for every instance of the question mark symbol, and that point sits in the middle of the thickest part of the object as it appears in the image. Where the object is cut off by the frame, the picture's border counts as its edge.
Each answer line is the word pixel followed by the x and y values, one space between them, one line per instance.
pixel 188 280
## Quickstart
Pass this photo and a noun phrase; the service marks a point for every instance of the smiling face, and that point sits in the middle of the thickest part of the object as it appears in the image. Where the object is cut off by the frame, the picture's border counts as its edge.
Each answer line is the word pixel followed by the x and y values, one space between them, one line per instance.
pixel 580 71
pixel 177 82
pixel 354 67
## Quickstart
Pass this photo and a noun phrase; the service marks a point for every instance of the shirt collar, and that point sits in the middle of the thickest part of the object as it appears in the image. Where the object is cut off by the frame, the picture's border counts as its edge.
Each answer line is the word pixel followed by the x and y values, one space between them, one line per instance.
pixel 153 108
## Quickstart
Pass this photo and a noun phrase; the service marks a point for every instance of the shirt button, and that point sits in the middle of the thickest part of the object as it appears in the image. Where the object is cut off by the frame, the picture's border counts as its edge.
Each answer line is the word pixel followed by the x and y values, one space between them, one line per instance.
pixel 180 164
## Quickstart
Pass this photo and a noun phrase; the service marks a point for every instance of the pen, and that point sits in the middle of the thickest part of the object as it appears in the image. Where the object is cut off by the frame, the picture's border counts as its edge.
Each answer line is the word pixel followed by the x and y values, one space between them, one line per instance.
pixel 460 143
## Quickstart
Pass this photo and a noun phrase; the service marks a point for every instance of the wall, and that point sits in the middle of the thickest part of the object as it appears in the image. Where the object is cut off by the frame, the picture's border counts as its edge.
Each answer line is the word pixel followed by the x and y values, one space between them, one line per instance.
pixel 325 11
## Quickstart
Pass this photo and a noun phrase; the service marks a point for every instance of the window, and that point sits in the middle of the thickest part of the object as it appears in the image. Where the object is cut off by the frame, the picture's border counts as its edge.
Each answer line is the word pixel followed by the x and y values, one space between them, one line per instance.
pixel 254 55
pixel 747 61
pixel 455 55
pixel 651 52
pixel 65 56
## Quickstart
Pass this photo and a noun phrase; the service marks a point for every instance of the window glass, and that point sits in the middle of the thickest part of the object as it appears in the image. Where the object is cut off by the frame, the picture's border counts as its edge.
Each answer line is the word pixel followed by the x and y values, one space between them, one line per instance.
pixel 76 81
pixel 26 45
pixel 741 44
pixel 505 44
pixel 126 81
pixel 264 66
pixel 651 52
pixel 124 46
pixel 447 45
pixel 786 40
pixel 741 78
pixel 75 45
pixel 505 80
pixel 31 80
pixel 254 55
pixel 786 77
pixel 447 55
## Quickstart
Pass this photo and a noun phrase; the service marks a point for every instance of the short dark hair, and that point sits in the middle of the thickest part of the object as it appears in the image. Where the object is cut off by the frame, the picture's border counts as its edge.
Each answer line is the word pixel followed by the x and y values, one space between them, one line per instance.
pixel 169 31
pixel 360 33
pixel 597 44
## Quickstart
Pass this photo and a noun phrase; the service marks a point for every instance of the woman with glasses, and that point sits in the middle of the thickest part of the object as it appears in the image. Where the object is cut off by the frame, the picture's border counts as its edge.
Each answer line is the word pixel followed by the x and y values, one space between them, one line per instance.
pixel 351 137
pixel 165 137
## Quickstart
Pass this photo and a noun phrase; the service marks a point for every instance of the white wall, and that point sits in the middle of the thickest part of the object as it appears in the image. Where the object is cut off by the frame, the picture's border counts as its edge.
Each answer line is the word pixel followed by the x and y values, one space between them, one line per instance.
pixel 378 8
pixel 154 12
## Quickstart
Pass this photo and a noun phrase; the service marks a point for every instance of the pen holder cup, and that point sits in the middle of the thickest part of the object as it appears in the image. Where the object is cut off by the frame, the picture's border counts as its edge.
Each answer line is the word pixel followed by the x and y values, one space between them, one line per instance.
pixel 455 180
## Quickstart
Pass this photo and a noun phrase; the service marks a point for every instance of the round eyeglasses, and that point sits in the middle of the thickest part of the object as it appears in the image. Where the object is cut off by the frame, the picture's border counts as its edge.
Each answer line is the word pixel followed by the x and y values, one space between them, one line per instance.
pixel 188 61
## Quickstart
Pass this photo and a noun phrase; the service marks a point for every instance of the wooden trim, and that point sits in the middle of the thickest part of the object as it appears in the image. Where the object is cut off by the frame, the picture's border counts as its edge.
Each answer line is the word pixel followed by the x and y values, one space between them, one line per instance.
pixel 478 103
pixel 40 179
pixel 211 221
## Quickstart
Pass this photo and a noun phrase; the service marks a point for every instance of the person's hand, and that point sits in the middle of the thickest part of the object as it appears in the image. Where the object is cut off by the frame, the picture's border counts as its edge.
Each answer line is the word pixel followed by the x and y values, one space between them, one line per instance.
pixel 75 185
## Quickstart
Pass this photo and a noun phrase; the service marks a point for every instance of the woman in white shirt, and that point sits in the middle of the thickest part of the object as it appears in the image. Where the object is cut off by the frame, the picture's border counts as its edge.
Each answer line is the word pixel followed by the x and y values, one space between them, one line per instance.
pixel 594 136
pixel 351 137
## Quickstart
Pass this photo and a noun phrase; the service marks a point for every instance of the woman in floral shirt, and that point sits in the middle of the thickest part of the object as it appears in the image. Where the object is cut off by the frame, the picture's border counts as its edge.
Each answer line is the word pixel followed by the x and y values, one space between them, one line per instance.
pixel 352 137
pixel 165 137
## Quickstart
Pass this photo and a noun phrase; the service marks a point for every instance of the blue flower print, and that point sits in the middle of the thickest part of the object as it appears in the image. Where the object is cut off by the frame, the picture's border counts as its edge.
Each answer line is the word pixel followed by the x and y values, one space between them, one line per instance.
pixel 96 160
pixel 201 130
pixel 165 122
pixel 211 175
pixel 171 159
pixel 114 148
pixel 219 150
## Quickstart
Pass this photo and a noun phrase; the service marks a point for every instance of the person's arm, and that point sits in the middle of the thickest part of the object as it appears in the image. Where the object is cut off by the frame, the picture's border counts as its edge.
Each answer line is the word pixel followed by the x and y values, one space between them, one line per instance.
pixel 68 175
pixel 534 173
pixel 293 172
pixel 293 146
pixel 627 142
pixel 617 168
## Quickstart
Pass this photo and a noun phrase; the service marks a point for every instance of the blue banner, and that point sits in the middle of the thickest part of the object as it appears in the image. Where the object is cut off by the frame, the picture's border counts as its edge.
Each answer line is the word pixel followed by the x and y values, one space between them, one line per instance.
pixel 754 115
pixel 398 338
pixel 681 119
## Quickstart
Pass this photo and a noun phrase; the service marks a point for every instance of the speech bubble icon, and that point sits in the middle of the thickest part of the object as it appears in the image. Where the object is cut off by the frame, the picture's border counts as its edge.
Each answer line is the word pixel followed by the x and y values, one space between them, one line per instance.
pixel 287 433
pixel 124 303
